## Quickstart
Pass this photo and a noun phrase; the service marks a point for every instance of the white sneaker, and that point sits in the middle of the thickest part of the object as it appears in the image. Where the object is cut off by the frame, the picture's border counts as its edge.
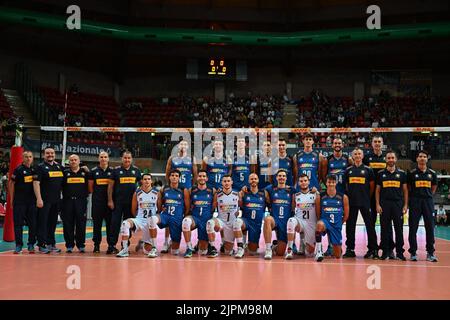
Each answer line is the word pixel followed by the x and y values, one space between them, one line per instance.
pixel 240 253
pixel 165 248
pixel 289 254
pixel 268 254
pixel 153 253
pixel 123 253
pixel 319 256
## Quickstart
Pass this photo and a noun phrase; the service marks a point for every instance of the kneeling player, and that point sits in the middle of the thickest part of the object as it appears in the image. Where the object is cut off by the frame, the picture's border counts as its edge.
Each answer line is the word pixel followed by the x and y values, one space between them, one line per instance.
pixel 279 199
pixel 202 204
pixel 253 204
pixel 173 204
pixel 227 202
pixel 307 212
pixel 144 202
pixel 334 211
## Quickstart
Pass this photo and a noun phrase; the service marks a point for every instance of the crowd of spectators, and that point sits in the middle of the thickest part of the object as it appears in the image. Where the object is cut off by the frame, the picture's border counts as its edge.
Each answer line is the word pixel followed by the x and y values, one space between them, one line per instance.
pixel 252 111
pixel 382 110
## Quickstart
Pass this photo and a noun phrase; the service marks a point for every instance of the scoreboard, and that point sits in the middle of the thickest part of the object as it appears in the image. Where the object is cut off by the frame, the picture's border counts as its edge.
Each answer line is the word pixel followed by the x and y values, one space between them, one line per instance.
pixel 216 68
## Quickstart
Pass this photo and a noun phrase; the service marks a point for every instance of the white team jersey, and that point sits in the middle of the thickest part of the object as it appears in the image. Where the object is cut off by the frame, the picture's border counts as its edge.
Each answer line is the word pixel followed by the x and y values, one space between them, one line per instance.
pixel 305 206
pixel 227 206
pixel 146 203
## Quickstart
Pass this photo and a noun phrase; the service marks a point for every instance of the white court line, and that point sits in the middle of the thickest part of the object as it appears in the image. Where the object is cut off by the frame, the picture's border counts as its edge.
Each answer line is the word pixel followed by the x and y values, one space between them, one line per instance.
pixel 233 260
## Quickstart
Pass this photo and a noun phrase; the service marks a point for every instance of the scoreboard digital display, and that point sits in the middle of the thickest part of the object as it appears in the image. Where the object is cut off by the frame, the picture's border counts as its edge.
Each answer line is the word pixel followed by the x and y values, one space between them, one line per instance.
pixel 217 67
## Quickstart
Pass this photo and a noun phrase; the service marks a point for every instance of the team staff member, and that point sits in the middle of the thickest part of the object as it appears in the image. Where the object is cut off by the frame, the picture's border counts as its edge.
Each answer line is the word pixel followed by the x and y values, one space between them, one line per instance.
pixel 376 160
pixel 24 202
pixel 47 185
pixel 392 203
pixel 75 193
pixel 125 179
pixel 99 178
pixel 422 183
pixel 360 184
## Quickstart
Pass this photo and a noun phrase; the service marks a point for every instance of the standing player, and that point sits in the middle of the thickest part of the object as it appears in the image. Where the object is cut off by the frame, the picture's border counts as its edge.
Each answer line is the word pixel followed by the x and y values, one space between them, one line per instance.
pixel 183 163
pixel 241 168
pixel 279 199
pixel 423 184
pixel 227 202
pixel 47 185
pixel 99 178
pixel 307 212
pixel 202 204
pixel 376 160
pixel 283 162
pixel 336 164
pixel 309 162
pixel 173 205
pixel 359 180
pixel 334 211
pixel 125 179
pixel 216 166
pixel 263 166
pixel 24 202
pixel 143 207
pixel 253 204
pixel 392 203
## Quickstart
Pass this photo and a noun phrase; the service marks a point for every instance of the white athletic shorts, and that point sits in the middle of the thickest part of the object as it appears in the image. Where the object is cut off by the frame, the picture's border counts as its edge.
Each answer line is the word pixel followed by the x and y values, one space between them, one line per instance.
pixel 309 229
pixel 227 228
pixel 142 224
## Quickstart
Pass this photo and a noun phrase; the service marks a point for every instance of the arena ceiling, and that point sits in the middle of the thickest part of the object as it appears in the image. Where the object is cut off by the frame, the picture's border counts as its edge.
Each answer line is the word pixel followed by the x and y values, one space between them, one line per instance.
pixel 120 59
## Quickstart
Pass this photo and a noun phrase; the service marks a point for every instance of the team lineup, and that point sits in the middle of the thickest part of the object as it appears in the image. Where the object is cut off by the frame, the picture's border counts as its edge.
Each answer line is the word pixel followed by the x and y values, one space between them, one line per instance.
pixel 241 201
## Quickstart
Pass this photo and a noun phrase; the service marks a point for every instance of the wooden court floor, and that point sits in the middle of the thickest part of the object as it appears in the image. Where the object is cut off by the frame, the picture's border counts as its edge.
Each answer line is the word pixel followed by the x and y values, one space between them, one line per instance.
pixel 102 276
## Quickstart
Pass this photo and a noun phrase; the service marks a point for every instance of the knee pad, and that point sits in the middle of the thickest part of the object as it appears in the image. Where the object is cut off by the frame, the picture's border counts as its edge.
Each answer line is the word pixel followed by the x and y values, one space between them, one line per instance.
pixel 210 226
pixel 152 222
pixel 291 225
pixel 186 224
pixel 125 228
pixel 237 224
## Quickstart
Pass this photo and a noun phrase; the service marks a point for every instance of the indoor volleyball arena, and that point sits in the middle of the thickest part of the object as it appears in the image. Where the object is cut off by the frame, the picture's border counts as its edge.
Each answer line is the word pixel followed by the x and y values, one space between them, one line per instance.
pixel 224 150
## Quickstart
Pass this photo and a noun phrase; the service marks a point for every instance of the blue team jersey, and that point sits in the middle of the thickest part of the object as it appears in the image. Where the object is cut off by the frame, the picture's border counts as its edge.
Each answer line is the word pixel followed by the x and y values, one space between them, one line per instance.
pixel 263 174
pixel 216 170
pixel 286 165
pixel 308 163
pixel 281 202
pixel 337 166
pixel 254 206
pixel 241 170
pixel 201 203
pixel 184 165
pixel 332 208
pixel 173 202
